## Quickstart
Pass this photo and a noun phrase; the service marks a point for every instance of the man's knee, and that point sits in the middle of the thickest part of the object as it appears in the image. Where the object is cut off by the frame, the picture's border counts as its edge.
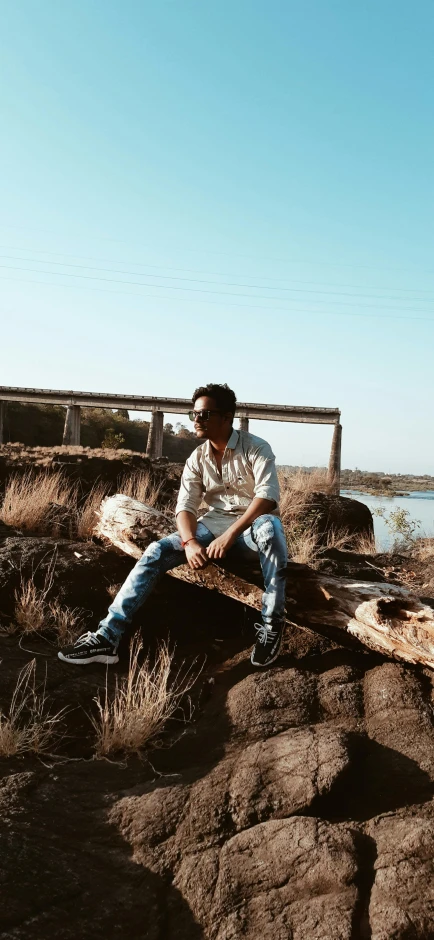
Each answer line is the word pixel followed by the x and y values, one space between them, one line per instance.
pixel 265 530
pixel 159 550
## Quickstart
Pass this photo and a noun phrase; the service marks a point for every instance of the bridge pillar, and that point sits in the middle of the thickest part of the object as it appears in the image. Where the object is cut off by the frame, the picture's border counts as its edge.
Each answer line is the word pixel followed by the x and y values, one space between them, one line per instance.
pixel 2 420
pixel 71 431
pixel 154 447
pixel 334 471
pixel 243 423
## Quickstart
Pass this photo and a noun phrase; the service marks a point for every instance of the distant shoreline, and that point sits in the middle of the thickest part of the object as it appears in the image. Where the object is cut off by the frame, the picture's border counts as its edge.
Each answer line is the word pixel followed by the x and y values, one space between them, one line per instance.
pixel 377 483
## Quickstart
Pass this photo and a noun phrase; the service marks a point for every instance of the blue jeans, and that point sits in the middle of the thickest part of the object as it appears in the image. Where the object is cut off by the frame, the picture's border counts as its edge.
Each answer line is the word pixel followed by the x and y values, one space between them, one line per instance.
pixel 265 539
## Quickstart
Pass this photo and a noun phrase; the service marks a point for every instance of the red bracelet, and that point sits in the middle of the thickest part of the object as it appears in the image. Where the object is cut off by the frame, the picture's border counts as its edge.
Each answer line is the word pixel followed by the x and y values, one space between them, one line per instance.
pixel 183 544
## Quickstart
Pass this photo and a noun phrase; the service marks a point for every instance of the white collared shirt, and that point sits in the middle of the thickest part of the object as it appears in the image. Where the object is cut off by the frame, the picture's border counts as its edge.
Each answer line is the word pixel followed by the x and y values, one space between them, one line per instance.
pixel 248 470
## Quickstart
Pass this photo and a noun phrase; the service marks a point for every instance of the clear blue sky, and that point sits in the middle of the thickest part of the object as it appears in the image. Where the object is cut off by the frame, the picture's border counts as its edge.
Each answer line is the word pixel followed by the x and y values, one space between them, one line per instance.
pixel 246 192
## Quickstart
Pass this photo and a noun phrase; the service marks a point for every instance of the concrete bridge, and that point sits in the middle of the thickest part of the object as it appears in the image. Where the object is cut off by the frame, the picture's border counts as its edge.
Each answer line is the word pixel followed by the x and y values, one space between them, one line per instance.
pixel 74 401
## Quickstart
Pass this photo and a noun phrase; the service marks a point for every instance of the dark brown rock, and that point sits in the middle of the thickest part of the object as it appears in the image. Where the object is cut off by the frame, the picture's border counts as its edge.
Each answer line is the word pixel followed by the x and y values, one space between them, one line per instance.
pixel 340 695
pixel 287 878
pixel 270 779
pixel 268 702
pixel 338 513
pixel 397 715
pixel 402 897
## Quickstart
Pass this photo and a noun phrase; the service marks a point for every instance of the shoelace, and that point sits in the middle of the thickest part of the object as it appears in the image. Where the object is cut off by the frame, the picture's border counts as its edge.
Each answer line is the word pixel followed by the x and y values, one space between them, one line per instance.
pixel 263 634
pixel 89 637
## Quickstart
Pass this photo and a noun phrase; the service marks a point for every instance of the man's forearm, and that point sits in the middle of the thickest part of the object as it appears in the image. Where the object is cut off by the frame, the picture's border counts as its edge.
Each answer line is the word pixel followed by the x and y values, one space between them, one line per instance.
pixel 258 507
pixel 186 523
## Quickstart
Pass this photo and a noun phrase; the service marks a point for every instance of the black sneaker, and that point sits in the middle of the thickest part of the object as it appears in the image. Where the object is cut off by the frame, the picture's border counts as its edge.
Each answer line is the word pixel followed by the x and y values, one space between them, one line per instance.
pixel 90 648
pixel 267 646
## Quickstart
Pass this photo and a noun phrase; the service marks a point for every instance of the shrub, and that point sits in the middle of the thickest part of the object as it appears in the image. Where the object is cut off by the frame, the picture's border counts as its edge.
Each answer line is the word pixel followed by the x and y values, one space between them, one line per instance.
pixel 401 526
pixel 112 441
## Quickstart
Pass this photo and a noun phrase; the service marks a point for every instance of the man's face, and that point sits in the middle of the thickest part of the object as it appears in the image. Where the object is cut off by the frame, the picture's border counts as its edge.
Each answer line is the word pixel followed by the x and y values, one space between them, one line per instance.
pixel 216 425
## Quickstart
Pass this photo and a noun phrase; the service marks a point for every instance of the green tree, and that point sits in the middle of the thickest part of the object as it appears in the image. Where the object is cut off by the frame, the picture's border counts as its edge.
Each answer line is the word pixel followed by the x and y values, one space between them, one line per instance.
pixel 112 441
pixel 182 431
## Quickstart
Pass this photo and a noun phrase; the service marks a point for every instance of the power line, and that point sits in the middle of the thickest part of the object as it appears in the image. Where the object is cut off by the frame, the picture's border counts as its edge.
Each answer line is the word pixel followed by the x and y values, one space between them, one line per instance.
pixel 197 271
pixel 168 277
pixel 234 254
pixel 196 290
pixel 289 310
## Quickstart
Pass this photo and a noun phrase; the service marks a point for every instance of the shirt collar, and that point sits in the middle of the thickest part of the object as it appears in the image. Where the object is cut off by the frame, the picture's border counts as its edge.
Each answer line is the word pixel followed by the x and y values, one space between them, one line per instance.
pixel 232 442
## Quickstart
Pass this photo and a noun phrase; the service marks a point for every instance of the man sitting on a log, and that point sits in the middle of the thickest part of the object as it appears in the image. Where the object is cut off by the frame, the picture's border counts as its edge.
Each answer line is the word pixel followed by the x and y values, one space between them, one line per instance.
pixel 234 472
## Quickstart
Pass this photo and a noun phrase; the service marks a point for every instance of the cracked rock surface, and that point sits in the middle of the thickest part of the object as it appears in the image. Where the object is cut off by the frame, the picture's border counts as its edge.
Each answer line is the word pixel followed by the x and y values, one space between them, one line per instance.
pixel 297 805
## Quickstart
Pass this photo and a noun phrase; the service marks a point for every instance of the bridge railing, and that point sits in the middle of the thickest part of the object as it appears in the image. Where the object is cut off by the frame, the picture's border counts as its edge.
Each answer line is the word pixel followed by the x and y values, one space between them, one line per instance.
pixel 75 400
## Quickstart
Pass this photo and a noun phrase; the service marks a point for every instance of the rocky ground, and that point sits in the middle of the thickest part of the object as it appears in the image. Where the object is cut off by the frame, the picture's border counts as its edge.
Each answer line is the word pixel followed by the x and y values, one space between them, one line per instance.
pixel 297 803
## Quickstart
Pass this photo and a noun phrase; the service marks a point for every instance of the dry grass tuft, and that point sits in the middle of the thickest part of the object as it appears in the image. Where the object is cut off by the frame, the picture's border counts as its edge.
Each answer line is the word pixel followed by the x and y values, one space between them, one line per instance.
pixel 143 702
pixel 86 514
pixel 35 614
pixel 113 589
pixel 30 613
pixel 28 725
pixel 65 622
pixel 364 545
pixel 423 549
pixel 141 486
pixel 29 500
pixel 296 488
pixel 300 524
pixel 303 545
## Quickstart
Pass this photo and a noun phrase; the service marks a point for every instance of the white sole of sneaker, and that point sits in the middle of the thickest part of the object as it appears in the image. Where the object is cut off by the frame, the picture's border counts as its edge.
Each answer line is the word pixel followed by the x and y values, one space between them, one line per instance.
pixel 107 660
pixel 264 665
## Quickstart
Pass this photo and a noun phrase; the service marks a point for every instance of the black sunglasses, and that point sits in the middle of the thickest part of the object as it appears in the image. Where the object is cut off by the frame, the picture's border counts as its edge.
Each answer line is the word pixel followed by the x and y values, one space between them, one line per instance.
pixel 203 415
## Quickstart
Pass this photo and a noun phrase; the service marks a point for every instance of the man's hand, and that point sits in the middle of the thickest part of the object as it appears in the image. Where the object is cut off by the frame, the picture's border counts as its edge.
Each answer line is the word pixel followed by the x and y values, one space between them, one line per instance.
pixel 196 555
pixel 221 545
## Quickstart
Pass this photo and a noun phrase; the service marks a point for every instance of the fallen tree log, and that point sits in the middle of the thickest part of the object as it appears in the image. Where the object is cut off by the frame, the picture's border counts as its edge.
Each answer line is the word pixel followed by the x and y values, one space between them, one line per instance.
pixel 384 617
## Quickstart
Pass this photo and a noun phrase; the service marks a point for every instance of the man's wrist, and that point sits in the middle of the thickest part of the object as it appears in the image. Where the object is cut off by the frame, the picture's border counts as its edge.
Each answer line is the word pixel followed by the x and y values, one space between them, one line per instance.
pixel 192 538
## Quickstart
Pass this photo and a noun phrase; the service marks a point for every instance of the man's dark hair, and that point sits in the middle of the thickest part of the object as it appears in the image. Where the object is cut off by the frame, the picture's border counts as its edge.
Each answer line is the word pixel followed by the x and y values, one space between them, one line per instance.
pixel 224 397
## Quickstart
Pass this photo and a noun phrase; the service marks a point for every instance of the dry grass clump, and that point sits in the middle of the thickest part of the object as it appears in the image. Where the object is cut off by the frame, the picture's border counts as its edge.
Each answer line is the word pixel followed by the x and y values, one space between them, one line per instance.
pixel 305 548
pixel 141 486
pixel 30 612
pixel 28 725
pixel 303 545
pixel 143 702
pixel 65 622
pixel 364 544
pixel 296 488
pixel 87 512
pixel 33 613
pixel 423 549
pixel 29 500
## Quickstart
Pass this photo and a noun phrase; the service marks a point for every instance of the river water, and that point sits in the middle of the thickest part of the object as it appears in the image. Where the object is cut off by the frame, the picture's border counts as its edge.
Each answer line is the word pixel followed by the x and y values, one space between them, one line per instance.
pixel 419 505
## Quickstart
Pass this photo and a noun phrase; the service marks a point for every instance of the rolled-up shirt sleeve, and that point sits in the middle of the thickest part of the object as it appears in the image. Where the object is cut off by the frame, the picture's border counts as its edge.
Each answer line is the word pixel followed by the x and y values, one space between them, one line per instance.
pixel 191 489
pixel 263 463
